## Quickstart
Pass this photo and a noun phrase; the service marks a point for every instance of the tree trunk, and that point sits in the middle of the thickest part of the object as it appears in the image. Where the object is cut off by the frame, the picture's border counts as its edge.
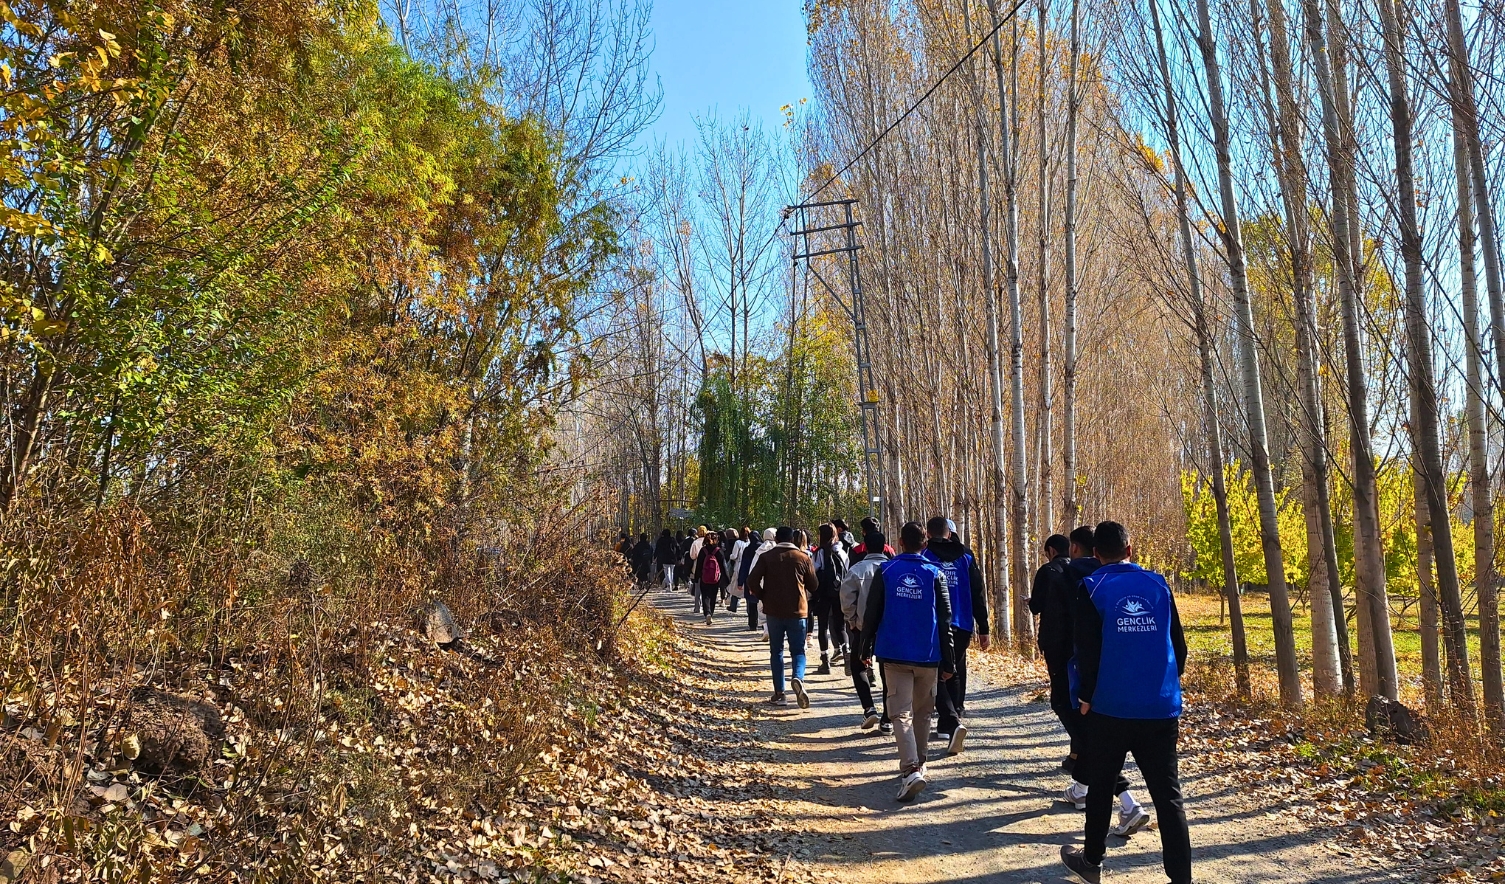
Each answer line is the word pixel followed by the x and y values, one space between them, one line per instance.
pixel 1431 656
pixel 1290 168
pixel 1069 355
pixel 1002 621
pixel 1377 673
pixel 1280 606
pixel 1465 147
pixel 1419 357
pixel 1045 516
pixel 1019 479
pixel 1204 354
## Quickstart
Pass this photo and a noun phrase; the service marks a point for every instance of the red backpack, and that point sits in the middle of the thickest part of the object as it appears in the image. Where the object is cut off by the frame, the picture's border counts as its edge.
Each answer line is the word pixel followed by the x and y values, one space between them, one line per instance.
pixel 711 572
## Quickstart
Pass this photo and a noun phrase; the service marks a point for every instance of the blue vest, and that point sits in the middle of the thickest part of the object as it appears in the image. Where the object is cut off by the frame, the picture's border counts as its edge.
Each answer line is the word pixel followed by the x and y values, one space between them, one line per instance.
pixel 958 576
pixel 1137 675
pixel 909 632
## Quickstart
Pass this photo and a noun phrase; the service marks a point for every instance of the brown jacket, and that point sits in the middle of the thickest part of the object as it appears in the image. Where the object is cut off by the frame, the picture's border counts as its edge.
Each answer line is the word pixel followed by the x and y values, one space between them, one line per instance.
pixel 783 580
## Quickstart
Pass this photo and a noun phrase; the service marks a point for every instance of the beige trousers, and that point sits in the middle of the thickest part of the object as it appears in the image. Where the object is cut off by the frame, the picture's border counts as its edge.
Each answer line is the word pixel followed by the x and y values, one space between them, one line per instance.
pixel 911 699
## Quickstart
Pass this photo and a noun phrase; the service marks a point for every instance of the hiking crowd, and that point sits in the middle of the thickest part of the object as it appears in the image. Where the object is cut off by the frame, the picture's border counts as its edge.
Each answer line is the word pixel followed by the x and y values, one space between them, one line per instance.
pixel 1108 630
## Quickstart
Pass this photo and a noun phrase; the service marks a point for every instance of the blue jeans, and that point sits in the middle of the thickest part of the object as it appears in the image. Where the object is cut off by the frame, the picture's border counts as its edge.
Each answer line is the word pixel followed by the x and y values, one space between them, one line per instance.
pixel 778 629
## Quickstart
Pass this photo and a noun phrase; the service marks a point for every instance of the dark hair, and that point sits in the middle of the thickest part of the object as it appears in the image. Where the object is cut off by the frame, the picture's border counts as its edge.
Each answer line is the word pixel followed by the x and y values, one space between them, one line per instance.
pixel 1058 545
pixel 746 532
pixel 911 536
pixel 874 542
pixel 1082 537
pixel 713 537
pixel 665 534
pixel 1110 539
pixel 936 527
pixel 869 525
pixel 643 538
pixel 841 524
pixel 827 534
pixel 783 534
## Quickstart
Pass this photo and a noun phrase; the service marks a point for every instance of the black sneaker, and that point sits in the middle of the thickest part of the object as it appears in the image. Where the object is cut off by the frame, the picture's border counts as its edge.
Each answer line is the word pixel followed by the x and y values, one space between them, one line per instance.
pixel 1092 873
pixel 1068 764
pixel 886 728
pixel 825 666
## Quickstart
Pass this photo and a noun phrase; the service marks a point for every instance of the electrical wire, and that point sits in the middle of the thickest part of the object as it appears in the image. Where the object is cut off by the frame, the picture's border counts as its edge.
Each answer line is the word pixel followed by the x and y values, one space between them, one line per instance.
pixel 921 100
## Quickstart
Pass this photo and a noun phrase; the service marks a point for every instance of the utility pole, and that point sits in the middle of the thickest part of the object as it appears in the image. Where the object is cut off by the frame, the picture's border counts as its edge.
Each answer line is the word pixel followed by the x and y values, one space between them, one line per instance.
pixel 844 231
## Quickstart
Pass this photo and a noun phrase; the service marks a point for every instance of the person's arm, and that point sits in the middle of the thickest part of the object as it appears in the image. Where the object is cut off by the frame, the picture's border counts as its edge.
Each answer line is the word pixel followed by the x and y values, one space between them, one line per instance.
pixel 807 574
pixel 847 592
pixel 1038 590
pixel 1088 629
pixel 872 616
pixel 943 617
pixel 979 600
pixel 1178 638
pixel 754 585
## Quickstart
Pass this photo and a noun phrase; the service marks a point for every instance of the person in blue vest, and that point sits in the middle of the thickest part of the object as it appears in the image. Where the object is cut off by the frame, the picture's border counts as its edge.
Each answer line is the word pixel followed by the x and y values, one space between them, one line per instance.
pixel 1130 655
pixel 906 627
pixel 969 606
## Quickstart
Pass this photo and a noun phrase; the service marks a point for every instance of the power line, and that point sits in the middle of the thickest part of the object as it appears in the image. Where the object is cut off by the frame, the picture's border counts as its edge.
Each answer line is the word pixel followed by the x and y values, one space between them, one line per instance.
pixel 921 100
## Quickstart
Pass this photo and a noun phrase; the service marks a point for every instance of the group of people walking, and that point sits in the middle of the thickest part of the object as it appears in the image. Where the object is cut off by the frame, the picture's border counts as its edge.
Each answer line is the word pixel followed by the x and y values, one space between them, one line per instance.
pixel 1108 630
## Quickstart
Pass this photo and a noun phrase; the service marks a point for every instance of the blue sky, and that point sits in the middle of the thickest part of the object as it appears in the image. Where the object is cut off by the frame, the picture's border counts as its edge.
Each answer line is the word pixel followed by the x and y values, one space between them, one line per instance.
pixel 726 55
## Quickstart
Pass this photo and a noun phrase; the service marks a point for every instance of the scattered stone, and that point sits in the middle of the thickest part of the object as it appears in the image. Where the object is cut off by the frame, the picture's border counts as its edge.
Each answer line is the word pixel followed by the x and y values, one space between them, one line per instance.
pixel 439 624
pixel 171 732
pixel 13 865
pixel 1392 719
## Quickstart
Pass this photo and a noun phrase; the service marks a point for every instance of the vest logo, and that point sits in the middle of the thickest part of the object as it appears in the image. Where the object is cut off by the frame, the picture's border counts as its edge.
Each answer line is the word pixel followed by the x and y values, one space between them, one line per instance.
pixel 909 588
pixel 1134 615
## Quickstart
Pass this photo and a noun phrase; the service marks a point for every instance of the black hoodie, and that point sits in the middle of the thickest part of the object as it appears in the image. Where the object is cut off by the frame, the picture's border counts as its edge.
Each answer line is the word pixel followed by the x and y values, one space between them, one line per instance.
pixel 949 549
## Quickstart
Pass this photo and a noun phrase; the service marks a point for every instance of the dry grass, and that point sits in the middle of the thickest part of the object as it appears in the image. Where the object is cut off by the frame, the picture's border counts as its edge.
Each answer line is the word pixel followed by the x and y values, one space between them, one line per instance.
pixel 352 744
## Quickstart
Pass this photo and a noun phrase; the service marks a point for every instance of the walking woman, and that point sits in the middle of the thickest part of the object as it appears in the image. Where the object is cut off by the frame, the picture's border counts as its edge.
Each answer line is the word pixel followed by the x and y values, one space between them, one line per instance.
pixel 710 571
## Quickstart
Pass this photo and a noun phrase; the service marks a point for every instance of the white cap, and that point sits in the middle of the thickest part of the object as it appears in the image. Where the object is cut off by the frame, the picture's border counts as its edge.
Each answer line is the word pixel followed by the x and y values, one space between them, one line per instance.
pixel 951 526
pixel 769 534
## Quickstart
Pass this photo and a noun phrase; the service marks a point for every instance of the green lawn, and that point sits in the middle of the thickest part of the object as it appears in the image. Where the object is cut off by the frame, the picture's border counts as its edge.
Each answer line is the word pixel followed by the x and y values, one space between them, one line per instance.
pixel 1210 641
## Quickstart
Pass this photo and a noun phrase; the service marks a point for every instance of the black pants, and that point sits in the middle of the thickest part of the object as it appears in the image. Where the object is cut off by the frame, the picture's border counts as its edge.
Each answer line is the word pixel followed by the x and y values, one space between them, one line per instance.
pixel 832 629
pixel 951 694
pixel 1060 701
pixel 864 678
pixel 752 613
pixel 1153 744
pixel 709 593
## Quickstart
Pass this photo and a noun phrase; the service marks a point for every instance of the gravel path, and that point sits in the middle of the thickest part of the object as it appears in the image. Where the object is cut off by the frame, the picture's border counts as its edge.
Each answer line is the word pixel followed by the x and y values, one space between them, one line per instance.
pixel 990 814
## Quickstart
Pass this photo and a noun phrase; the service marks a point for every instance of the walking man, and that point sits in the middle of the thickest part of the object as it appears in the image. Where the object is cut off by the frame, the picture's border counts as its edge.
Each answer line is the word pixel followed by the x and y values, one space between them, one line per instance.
pixel 905 627
pixel 783 579
pixel 856 584
pixel 969 605
pixel 1130 654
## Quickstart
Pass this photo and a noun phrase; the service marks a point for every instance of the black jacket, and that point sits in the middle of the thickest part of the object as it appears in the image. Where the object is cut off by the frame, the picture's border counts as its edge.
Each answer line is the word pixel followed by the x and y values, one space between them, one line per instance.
pixel 949 550
pixel 642 557
pixel 666 551
pixel 874 615
pixel 829 575
pixel 1053 597
pixel 706 552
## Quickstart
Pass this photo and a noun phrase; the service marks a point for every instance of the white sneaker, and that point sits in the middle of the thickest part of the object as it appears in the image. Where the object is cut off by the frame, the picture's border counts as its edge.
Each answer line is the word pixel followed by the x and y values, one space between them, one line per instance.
pixel 1131 821
pixel 799 693
pixel 912 785
pixel 1075 797
pixel 957 740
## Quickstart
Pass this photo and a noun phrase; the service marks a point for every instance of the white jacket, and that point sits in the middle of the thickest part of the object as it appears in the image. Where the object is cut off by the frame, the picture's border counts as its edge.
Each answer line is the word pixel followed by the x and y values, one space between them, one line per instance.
pixel 854 588
pixel 734 564
pixel 763 547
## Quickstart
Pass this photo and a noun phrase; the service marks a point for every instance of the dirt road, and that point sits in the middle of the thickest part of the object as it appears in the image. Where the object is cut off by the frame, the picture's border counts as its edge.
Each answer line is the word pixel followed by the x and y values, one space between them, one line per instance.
pixel 990 814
